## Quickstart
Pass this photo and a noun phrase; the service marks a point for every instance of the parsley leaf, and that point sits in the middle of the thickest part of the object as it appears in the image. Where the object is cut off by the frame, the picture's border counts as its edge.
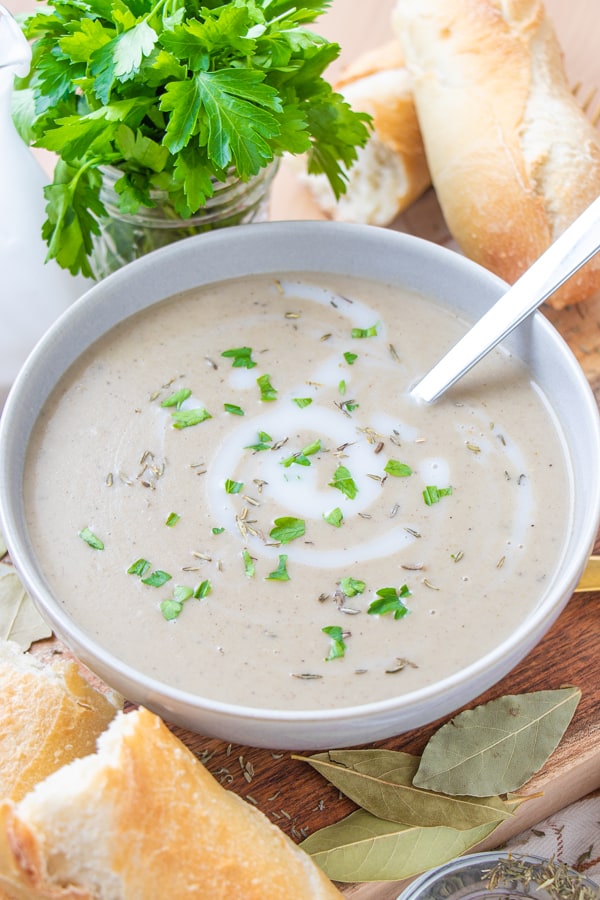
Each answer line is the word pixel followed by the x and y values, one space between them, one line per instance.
pixel 280 573
pixel 389 600
pixel 241 356
pixel 432 494
pixel 287 528
pixel 337 648
pixel 343 481
pixel 264 442
pixel 301 457
pixel 365 332
pixel 267 392
pixel 352 586
pixel 186 418
pixel 177 399
pixel 335 517
pixel 233 410
pixel 90 539
pixel 249 567
pixel 397 469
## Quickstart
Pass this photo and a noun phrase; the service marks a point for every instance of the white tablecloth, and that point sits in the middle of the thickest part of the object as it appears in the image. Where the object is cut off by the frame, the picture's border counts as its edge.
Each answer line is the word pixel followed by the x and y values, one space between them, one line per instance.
pixel 571 836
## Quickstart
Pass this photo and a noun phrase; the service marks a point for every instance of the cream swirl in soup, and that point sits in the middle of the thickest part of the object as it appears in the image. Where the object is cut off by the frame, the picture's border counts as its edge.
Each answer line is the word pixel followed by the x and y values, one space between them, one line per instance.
pixel 233 492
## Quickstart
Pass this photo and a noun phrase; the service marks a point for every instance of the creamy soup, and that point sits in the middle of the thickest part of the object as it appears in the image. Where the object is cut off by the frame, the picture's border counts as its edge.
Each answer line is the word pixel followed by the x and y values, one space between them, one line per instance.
pixel 234 493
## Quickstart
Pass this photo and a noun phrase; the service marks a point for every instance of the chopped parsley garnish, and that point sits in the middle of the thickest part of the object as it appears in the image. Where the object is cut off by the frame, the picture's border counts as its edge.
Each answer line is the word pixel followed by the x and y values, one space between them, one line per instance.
pixel 337 647
pixel 335 517
pixel 249 568
pixel 397 469
pixel 203 590
pixel 264 442
pixel 347 406
pixel 156 578
pixel 139 567
pixel 350 357
pixel 389 600
pixel 177 398
pixel 365 332
pixel 267 392
pixel 343 481
pixel 233 409
pixel 287 528
pixel 342 387
pixel 432 494
pixel 219 530
pixel 352 586
pixel 233 487
pixel 241 356
pixel 301 458
pixel 185 418
pixel 301 402
pixel 280 573
pixel 172 607
pixel 172 519
pixel 90 539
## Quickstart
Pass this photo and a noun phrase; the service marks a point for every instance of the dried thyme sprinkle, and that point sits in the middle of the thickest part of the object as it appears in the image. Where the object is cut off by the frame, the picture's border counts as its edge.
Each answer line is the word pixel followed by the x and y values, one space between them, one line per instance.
pixel 557 880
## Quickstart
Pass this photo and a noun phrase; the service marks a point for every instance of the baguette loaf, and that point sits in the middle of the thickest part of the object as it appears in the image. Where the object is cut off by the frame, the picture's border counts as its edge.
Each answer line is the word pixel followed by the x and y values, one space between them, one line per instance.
pixel 143 819
pixel 512 156
pixel 391 170
pixel 49 716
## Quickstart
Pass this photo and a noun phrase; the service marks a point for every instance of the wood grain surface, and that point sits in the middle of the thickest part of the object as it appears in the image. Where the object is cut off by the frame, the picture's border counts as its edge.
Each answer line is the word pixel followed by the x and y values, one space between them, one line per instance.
pixel 290 792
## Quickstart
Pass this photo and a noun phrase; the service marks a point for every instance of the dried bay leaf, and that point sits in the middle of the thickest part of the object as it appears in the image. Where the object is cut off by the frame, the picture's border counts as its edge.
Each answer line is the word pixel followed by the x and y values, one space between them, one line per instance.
pixel 497 747
pixel 381 782
pixel 363 848
pixel 19 619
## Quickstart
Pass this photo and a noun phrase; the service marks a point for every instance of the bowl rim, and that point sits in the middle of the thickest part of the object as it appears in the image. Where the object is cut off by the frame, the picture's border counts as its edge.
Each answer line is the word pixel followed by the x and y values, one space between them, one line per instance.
pixel 535 624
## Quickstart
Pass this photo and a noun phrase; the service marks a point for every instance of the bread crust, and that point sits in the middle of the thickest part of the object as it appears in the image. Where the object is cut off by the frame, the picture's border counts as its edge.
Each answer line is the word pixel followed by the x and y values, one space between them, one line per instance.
pixel 50 715
pixel 512 156
pixel 391 171
pixel 143 818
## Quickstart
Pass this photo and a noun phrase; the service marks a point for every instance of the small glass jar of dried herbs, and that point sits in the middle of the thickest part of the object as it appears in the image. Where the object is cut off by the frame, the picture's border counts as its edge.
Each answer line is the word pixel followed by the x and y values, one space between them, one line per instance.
pixel 502 875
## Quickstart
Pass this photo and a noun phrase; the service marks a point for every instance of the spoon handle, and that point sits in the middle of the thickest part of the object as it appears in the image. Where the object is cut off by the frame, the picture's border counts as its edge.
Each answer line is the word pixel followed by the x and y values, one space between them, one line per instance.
pixel 571 250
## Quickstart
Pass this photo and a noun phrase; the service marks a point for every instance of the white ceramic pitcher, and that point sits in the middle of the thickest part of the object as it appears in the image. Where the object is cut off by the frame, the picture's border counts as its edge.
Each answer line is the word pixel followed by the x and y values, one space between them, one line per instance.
pixel 33 292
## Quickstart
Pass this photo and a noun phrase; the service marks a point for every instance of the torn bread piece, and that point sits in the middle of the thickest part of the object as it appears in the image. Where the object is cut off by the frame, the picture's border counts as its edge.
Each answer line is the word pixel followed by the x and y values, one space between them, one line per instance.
pixel 391 169
pixel 49 716
pixel 143 819
pixel 512 155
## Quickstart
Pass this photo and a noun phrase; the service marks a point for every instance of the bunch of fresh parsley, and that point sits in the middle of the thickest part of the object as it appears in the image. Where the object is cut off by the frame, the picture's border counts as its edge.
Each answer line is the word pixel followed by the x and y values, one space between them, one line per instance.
pixel 175 94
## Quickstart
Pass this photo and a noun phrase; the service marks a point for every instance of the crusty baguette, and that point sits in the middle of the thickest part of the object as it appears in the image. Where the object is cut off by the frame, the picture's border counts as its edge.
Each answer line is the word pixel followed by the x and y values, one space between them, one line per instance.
pixel 49 715
pixel 512 157
pixel 143 819
pixel 391 170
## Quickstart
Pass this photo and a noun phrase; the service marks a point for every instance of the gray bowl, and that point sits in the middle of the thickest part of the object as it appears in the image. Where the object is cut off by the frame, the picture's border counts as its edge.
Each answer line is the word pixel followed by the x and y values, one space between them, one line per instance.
pixel 327 247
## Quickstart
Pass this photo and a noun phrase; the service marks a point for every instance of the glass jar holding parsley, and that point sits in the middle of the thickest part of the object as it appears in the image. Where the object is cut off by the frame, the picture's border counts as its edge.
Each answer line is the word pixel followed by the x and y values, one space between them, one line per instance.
pixel 161 112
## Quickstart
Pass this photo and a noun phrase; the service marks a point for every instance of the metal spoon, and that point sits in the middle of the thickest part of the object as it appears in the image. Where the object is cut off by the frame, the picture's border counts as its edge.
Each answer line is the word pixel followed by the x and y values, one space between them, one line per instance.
pixel 571 250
